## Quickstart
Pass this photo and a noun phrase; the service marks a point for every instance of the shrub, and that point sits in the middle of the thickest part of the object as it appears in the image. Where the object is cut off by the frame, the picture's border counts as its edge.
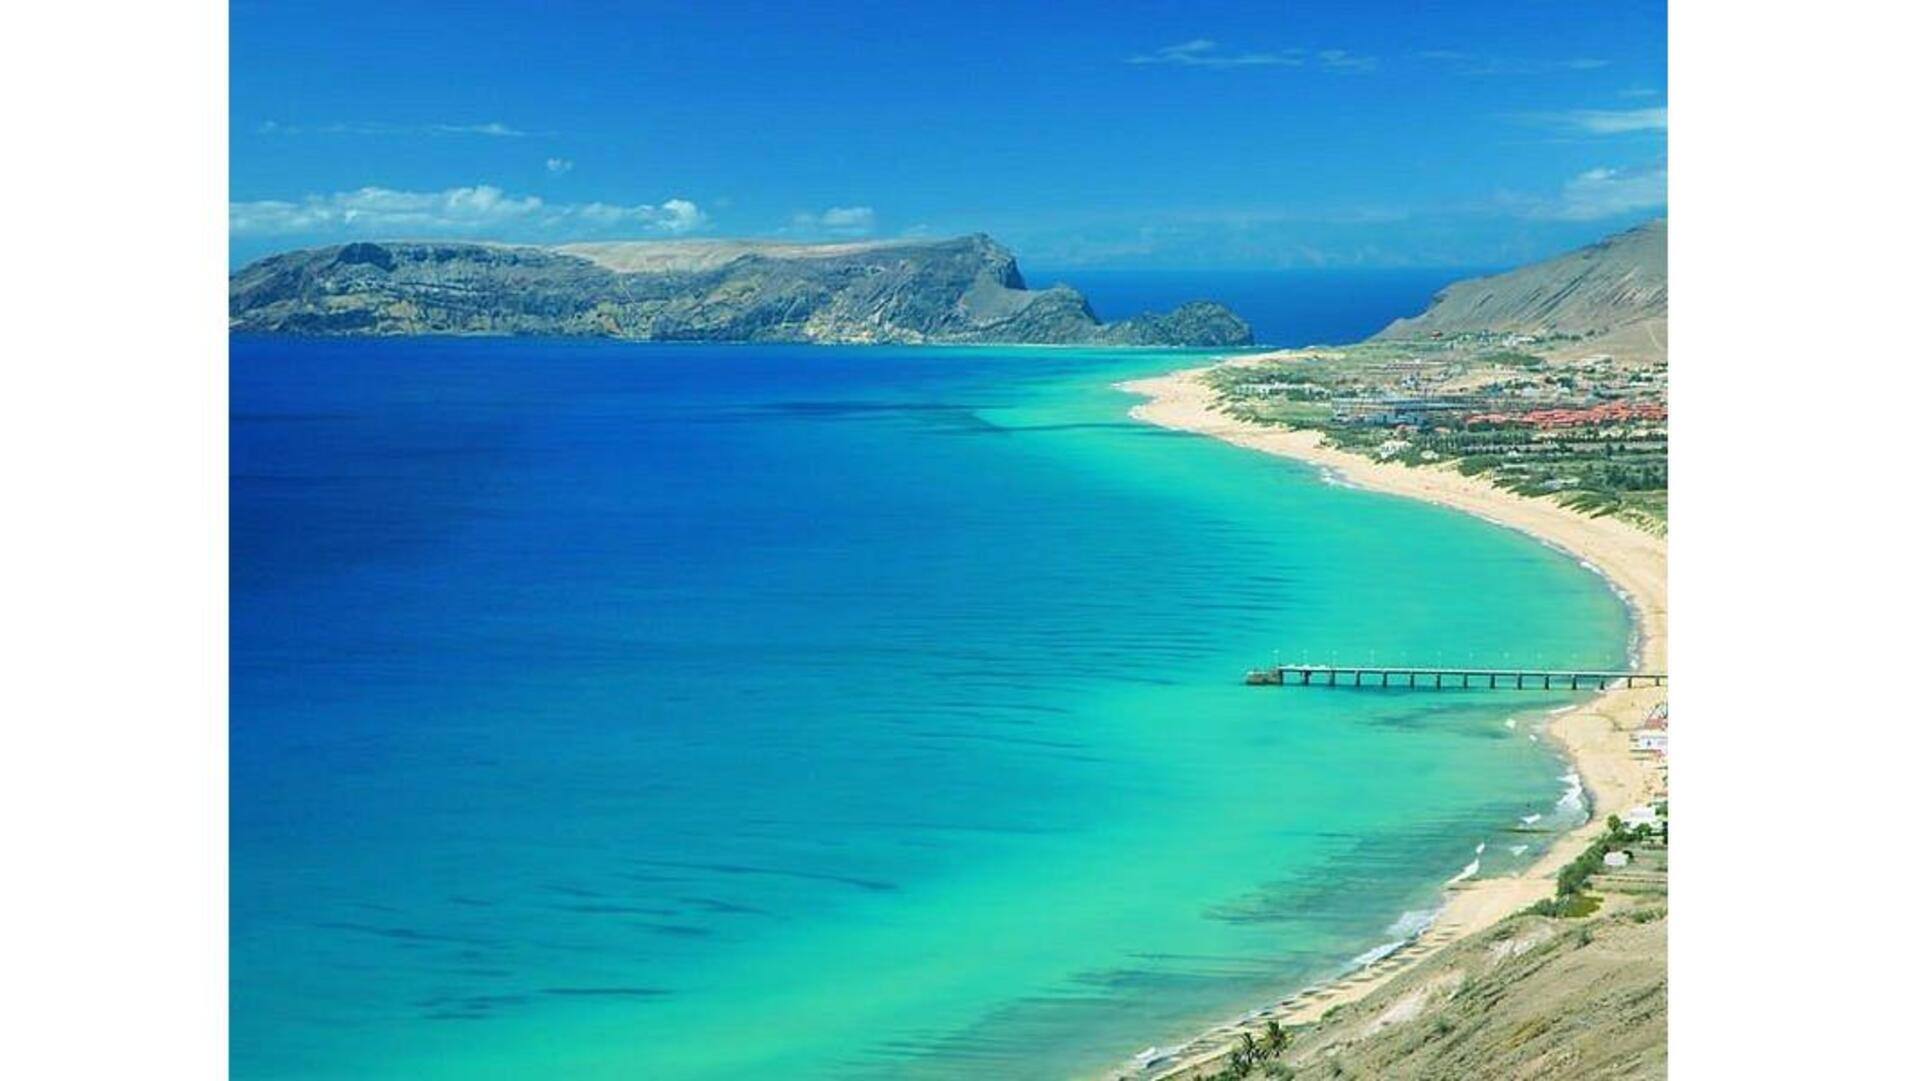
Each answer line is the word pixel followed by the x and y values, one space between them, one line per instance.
pixel 1567 906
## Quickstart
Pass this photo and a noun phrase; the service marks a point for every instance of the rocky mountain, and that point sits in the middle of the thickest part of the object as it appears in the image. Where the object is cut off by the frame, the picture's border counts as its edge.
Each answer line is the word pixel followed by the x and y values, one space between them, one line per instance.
pixel 1609 296
pixel 966 289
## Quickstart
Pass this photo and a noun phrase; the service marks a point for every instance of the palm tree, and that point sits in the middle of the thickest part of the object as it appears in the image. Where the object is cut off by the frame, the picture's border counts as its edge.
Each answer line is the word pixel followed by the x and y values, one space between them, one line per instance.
pixel 1276 1039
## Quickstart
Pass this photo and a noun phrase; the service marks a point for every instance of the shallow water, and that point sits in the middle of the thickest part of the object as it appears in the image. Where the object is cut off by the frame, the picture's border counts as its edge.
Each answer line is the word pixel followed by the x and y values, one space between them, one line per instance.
pixel 615 711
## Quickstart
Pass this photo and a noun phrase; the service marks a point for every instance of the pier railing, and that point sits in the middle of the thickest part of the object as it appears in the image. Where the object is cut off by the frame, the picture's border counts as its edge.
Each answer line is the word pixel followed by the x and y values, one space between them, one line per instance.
pixel 1545 679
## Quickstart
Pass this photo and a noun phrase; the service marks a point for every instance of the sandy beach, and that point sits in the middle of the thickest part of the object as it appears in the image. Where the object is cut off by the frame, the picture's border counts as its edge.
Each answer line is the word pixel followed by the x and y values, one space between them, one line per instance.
pixel 1593 735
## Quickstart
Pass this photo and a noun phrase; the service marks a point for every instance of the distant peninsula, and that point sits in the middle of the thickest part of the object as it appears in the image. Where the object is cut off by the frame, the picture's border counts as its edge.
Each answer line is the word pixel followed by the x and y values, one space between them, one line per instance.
pixel 964 289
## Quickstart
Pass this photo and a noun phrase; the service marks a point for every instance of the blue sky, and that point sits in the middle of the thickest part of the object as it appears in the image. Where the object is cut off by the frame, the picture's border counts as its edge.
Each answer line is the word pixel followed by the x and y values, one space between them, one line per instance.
pixel 1201 135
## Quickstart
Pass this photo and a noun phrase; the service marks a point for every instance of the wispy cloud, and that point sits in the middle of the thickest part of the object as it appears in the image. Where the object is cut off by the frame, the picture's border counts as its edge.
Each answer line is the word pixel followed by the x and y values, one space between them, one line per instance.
pixel 1463 63
pixel 467 211
pixel 1597 194
pixel 1342 60
pixel 495 129
pixel 837 221
pixel 1605 121
pixel 1206 53
pixel 491 129
pixel 557 166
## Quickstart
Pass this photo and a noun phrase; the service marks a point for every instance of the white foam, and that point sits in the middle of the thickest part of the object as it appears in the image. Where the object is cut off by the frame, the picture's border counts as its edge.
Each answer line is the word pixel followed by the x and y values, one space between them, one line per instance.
pixel 1528 820
pixel 1334 477
pixel 1378 953
pixel 1411 925
pixel 1574 799
pixel 1519 850
pixel 1470 869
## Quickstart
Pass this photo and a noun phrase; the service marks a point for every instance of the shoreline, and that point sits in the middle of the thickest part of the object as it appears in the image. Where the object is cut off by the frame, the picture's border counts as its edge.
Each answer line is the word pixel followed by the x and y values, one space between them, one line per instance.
pixel 1592 735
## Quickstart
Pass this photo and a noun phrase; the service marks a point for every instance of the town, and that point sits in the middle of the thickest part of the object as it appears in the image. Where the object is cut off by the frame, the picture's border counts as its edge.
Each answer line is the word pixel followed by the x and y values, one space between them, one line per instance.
pixel 1533 414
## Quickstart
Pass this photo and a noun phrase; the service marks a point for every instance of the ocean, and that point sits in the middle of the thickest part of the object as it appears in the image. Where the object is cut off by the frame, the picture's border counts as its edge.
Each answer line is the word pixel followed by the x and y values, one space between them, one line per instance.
pixel 604 710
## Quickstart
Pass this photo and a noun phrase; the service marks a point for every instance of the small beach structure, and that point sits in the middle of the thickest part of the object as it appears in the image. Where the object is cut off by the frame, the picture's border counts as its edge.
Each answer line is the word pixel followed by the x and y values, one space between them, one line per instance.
pixel 1651 739
pixel 1643 815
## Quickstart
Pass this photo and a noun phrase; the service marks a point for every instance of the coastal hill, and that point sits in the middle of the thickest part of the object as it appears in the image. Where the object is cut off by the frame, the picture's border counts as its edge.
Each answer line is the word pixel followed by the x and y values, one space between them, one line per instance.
pixel 965 289
pixel 1609 297
pixel 1532 997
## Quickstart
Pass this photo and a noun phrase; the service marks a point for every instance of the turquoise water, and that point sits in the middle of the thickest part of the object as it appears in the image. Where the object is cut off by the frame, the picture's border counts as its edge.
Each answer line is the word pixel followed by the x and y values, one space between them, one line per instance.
pixel 612 711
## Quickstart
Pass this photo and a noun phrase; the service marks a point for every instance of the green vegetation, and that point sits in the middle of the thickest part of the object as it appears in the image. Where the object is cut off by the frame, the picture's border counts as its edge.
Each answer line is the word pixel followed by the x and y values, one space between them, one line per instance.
pixel 1463 401
pixel 1570 899
pixel 1568 907
pixel 1262 1054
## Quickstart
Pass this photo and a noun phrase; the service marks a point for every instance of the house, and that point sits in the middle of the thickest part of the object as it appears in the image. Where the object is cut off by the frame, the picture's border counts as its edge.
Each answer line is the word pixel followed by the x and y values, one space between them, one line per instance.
pixel 1616 859
pixel 1643 815
pixel 1650 739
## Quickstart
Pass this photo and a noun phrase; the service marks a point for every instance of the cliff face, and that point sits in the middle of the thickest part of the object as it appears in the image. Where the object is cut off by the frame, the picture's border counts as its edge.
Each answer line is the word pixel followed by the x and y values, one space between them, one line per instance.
pixel 966 289
pixel 1613 293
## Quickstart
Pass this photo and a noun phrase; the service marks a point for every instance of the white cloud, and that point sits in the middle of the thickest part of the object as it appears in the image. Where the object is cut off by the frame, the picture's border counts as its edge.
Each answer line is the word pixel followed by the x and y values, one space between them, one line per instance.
pixel 1342 60
pixel 848 217
pixel 556 166
pixel 1462 63
pixel 1205 53
pixel 837 221
pixel 1615 121
pixel 1608 121
pixel 1606 193
pixel 469 210
pixel 675 216
pixel 493 129
pixel 1202 52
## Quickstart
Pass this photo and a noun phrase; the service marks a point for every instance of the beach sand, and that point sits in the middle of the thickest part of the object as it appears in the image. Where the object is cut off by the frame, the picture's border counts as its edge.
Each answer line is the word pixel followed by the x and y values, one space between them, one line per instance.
pixel 1593 735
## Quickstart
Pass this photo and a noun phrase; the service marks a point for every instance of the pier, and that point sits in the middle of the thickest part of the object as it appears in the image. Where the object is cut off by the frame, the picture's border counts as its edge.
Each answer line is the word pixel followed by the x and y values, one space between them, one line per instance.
pixel 1544 679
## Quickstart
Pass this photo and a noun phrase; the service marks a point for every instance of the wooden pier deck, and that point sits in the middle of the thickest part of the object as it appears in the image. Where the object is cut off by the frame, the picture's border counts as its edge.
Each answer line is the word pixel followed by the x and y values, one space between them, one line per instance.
pixel 1321 675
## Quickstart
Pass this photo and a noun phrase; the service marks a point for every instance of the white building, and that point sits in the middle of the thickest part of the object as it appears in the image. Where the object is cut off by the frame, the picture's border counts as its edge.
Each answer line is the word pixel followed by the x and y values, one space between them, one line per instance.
pixel 1650 739
pixel 1615 859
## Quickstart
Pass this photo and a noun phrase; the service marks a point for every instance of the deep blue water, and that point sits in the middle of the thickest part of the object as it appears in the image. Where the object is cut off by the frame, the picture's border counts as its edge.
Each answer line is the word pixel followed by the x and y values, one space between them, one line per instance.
pixel 615 711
